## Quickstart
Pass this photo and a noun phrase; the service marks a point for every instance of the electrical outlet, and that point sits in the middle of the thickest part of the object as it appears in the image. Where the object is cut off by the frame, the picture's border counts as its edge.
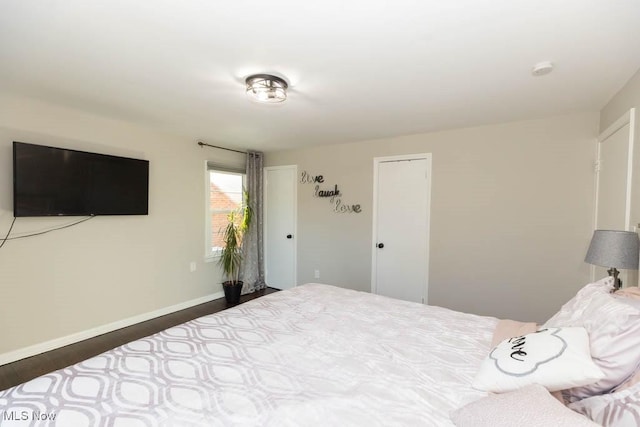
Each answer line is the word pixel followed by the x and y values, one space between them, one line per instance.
pixel 192 266
pixel 316 274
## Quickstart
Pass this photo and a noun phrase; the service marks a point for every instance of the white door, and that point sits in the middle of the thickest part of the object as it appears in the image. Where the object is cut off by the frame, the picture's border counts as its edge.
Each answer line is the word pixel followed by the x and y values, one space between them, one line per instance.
pixel 612 181
pixel 280 192
pixel 401 227
pixel 614 177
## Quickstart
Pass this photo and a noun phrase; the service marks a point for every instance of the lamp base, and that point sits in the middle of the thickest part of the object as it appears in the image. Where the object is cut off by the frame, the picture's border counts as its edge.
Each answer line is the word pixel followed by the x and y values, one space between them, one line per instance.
pixel 617 283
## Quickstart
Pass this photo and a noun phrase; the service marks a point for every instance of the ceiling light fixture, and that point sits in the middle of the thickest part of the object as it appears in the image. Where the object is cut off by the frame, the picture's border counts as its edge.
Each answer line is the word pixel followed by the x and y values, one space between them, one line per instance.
pixel 266 88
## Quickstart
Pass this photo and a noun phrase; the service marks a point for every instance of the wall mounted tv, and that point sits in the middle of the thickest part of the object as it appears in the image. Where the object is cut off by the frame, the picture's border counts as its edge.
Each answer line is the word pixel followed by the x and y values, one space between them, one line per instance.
pixel 49 181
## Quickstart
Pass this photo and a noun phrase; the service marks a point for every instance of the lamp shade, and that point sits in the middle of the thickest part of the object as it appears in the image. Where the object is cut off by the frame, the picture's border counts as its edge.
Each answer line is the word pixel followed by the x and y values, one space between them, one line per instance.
pixel 614 249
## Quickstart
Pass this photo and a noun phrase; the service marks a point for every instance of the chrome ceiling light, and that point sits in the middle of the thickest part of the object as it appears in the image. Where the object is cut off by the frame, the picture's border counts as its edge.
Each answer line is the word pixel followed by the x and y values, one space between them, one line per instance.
pixel 266 88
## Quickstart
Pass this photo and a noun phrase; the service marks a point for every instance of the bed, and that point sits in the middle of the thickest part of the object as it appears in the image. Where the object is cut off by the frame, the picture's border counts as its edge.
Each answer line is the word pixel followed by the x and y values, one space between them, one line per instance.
pixel 312 355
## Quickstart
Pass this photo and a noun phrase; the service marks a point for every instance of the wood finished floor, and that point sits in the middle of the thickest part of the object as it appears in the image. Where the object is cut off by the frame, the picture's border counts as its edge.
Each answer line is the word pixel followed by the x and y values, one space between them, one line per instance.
pixel 24 370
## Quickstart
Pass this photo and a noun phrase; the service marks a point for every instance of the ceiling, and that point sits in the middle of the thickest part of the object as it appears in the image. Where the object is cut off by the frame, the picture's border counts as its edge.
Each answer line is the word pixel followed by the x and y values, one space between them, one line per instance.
pixel 357 70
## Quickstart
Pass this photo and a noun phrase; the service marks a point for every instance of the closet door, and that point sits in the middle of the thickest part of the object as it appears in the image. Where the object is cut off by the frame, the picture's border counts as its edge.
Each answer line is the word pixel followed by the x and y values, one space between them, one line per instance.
pixel 280 187
pixel 614 183
pixel 401 227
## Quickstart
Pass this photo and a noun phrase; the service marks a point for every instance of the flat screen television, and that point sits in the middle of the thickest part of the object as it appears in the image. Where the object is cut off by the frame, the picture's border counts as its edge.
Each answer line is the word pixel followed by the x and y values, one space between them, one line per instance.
pixel 49 181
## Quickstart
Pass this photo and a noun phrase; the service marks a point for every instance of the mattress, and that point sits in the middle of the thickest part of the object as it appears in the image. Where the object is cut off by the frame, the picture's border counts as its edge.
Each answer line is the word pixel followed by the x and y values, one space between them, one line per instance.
pixel 315 355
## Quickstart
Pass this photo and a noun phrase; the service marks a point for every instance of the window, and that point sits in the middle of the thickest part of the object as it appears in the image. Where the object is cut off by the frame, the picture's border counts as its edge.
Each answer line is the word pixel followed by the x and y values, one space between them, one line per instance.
pixel 225 196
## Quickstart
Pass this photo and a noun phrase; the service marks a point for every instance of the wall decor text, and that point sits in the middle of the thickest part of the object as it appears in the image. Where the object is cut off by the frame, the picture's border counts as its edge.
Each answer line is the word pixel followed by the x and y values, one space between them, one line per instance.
pixel 339 207
pixel 334 195
pixel 305 178
pixel 327 193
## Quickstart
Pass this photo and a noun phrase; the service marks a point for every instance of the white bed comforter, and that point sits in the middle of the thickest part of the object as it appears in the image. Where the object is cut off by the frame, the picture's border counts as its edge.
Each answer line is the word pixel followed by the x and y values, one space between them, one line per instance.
pixel 315 355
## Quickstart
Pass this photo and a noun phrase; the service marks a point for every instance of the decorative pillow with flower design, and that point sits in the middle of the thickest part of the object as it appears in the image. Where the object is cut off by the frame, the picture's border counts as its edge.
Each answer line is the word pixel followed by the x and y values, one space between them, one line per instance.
pixel 619 409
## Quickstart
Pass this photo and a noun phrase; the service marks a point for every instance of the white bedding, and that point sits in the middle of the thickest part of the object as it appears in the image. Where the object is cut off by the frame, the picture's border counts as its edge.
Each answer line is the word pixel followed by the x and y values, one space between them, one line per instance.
pixel 314 355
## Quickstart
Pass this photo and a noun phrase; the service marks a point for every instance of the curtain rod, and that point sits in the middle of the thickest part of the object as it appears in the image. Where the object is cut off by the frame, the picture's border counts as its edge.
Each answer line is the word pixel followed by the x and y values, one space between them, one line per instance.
pixel 202 144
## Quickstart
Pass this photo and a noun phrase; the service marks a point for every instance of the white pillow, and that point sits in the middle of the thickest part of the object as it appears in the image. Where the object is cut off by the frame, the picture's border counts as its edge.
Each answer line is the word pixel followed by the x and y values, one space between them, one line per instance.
pixel 574 308
pixel 620 409
pixel 613 324
pixel 557 358
pixel 531 406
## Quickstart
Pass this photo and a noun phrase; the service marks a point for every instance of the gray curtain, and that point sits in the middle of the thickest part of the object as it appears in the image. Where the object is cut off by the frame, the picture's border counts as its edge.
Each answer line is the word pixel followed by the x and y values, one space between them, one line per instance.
pixel 252 246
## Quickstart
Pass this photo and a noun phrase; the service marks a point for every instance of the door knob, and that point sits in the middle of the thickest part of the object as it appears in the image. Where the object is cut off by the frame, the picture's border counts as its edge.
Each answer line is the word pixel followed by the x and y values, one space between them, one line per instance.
pixel 289 236
pixel 380 245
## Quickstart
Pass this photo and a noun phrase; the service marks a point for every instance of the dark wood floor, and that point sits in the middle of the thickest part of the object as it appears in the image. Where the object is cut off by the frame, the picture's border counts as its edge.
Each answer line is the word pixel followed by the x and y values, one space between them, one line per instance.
pixel 24 370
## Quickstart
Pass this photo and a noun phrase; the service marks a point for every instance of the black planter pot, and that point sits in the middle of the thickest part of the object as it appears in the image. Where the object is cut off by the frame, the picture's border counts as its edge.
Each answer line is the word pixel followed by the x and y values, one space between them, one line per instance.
pixel 232 291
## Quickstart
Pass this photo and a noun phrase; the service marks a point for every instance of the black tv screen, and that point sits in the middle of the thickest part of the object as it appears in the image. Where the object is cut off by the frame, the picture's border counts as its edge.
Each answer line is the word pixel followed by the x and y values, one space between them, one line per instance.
pixel 49 181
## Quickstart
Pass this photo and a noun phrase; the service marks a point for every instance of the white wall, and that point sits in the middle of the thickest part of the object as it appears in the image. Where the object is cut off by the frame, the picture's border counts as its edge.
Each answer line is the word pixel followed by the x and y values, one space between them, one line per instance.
pixel 627 97
pixel 109 268
pixel 511 218
pixel 512 211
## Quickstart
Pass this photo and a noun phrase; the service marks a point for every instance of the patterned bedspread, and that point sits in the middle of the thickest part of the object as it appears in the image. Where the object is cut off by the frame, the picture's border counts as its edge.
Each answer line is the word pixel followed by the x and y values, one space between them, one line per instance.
pixel 316 355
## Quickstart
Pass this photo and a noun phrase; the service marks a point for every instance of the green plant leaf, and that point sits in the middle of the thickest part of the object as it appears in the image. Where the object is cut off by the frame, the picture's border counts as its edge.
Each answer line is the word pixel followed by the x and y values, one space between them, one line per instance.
pixel 231 254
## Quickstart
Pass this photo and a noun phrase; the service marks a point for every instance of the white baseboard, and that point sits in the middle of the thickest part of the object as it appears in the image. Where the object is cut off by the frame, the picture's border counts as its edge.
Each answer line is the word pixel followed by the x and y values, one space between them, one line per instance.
pixel 32 350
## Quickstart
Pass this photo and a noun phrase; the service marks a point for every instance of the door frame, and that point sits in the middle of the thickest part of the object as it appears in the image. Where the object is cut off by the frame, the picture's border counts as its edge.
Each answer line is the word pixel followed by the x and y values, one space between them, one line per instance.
pixel 374 234
pixel 295 217
pixel 629 117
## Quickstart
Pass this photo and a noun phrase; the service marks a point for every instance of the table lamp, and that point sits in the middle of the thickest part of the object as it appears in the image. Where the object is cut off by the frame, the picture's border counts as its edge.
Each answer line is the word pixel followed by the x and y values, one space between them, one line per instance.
pixel 614 249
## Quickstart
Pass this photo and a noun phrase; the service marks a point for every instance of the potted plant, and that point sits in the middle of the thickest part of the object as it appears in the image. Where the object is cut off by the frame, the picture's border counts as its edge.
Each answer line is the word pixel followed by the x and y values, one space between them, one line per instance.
pixel 231 254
